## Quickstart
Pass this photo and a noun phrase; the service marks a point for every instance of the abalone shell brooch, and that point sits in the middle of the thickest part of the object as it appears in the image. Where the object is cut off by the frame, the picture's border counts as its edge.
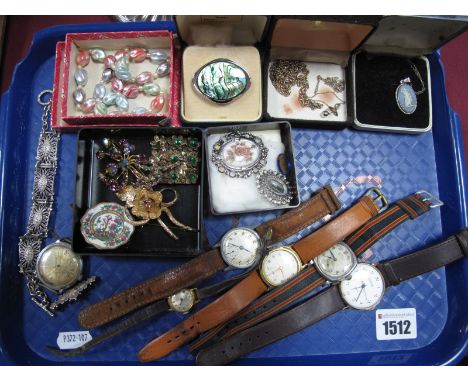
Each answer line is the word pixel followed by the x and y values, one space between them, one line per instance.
pixel 221 81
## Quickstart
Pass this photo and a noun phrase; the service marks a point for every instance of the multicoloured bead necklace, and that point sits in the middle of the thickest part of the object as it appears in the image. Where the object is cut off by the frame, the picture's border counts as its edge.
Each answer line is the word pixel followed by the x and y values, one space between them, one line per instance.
pixel 123 85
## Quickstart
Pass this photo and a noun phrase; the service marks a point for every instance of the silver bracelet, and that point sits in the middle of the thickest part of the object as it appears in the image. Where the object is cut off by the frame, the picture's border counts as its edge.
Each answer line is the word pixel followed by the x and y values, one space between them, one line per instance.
pixel 42 202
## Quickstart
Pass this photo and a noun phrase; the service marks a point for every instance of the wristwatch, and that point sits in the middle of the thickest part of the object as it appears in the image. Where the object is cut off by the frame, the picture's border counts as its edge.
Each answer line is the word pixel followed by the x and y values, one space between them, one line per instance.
pixel 239 249
pixel 278 265
pixel 332 266
pixel 180 302
pixel 58 267
pixel 374 279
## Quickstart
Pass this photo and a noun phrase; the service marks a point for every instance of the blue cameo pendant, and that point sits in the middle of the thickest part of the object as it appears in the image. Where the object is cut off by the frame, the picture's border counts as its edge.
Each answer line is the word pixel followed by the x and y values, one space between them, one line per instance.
pixel 221 81
pixel 406 98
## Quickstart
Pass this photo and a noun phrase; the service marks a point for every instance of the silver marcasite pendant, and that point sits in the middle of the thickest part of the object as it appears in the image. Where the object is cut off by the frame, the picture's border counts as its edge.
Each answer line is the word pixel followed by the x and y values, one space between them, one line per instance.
pixel 274 187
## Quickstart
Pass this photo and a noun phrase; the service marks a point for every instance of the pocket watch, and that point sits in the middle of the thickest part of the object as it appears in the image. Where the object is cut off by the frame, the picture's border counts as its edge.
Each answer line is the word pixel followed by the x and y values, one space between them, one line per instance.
pixel 58 267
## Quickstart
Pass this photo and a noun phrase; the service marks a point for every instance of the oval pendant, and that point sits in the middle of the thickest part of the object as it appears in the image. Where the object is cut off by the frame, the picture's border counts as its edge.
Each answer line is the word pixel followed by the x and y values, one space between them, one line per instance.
pixel 221 81
pixel 406 98
pixel 274 187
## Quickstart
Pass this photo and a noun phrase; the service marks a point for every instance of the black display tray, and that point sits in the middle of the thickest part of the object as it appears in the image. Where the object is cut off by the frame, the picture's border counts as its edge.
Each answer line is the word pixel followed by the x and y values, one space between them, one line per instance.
pixel 149 239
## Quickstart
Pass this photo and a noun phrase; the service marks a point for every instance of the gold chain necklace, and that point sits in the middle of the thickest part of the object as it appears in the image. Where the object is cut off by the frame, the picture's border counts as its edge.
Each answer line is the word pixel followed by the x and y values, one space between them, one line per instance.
pixel 284 74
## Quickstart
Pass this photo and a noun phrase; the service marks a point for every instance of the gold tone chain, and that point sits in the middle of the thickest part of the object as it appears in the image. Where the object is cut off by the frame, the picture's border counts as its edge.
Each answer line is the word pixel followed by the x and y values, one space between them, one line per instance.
pixel 284 74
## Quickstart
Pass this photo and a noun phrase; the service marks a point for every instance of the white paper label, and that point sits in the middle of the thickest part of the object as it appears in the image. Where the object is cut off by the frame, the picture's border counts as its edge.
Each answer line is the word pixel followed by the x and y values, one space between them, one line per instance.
pixel 396 324
pixel 72 340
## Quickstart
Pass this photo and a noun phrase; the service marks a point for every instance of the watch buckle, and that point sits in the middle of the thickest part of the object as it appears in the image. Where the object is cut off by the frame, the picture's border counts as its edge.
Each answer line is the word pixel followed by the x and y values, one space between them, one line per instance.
pixel 428 197
pixel 378 198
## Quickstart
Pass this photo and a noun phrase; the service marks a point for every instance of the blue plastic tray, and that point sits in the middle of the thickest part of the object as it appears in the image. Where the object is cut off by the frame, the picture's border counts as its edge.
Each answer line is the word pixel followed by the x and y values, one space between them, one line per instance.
pixel 432 161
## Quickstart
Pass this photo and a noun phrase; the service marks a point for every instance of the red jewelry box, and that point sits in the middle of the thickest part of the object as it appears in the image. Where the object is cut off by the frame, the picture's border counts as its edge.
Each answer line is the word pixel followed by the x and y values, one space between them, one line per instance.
pixel 65 117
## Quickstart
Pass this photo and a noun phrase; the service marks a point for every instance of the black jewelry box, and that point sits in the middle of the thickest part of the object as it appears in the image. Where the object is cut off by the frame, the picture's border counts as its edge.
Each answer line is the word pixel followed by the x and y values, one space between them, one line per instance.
pixel 325 42
pixel 393 55
pixel 149 239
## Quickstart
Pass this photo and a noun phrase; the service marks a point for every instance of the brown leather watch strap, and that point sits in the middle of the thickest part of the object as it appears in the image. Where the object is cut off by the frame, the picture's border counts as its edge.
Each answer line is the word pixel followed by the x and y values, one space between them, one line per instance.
pixel 313 310
pixel 249 289
pixel 329 302
pixel 425 260
pixel 336 230
pixel 161 286
pixel 324 202
pixel 220 310
pixel 321 204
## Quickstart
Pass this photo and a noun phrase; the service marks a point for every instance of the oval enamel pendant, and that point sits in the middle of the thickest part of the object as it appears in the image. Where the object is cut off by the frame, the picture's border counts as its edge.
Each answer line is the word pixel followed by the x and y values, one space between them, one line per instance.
pixel 221 81
pixel 406 98
pixel 239 154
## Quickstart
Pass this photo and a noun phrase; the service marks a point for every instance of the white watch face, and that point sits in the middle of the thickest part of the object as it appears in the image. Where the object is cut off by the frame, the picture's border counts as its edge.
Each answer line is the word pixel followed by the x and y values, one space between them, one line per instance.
pixel 364 288
pixel 337 262
pixel 58 267
pixel 240 247
pixel 182 301
pixel 280 265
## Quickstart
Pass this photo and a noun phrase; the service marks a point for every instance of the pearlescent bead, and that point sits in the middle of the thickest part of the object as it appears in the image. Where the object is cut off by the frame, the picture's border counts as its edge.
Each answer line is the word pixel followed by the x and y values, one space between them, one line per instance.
pixel 158 103
pixel 137 54
pixel 82 58
pixel 121 102
pixel 109 61
pixel 97 55
pixel 122 73
pixel 88 105
pixel 109 99
pixel 151 89
pixel 131 91
pixel 107 75
pixel 99 91
pixel 79 96
pixel 121 70
pixel 162 70
pixel 117 85
pixel 81 77
pixel 140 110
pixel 100 108
pixel 119 54
pixel 158 56
pixel 143 78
